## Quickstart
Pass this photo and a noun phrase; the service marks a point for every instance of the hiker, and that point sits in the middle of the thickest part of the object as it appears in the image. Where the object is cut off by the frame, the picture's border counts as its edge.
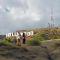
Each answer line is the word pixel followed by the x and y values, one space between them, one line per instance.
pixel 18 40
pixel 24 38
pixel 14 40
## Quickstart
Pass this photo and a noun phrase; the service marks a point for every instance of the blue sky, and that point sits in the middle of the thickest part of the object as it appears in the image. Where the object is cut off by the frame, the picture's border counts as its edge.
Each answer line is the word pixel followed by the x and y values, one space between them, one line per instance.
pixel 22 14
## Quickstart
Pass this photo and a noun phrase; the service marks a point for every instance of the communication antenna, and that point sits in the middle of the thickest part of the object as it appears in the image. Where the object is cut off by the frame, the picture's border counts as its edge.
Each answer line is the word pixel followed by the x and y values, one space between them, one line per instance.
pixel 52 18
pixel 48 25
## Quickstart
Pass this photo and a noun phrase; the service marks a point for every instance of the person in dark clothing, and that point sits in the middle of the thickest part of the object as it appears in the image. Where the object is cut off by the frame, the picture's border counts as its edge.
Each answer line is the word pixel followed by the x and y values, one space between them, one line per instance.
pixel 24 38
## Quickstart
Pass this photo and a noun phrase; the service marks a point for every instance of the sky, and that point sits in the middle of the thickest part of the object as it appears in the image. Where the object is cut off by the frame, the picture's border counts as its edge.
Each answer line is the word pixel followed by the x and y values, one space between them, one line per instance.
pixel 26 14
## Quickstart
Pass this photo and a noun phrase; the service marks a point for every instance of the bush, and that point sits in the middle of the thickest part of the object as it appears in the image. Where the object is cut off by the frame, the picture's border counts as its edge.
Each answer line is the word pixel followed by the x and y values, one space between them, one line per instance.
pixel 37 37
pixel 57 44
pixel 34 42
pixel 5 42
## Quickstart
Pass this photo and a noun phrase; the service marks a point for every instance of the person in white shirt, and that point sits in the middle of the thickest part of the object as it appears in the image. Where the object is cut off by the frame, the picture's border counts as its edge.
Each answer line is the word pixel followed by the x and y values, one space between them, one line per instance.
pixel 18 40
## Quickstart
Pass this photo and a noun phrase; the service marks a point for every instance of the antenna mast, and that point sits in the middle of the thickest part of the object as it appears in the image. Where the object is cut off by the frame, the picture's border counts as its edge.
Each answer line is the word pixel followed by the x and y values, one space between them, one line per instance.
pixel 52 18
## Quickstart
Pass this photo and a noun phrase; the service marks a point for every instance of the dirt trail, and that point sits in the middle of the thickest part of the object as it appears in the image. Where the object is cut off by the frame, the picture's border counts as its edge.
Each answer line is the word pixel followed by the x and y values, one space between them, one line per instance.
pixel 29 53
pixel 22 53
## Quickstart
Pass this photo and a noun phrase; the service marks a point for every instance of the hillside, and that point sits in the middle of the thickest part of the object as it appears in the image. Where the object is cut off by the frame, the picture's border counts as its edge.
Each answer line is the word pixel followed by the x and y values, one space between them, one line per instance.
pixel 49 50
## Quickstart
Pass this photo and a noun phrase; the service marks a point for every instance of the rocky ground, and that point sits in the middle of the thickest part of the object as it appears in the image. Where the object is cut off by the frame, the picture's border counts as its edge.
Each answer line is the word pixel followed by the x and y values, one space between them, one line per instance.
pixel 47 51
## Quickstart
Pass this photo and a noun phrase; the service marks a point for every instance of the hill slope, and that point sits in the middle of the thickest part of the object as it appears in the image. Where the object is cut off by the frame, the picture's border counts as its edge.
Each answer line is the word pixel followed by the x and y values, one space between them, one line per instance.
pixel 49 50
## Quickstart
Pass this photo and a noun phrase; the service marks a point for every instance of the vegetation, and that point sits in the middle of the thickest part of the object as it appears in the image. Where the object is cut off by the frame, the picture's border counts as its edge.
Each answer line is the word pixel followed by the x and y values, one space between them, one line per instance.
pixel 34 42
pixel 40 47
pixel 6 42
pixel 48 33
pixel 39 35
pixel 46 51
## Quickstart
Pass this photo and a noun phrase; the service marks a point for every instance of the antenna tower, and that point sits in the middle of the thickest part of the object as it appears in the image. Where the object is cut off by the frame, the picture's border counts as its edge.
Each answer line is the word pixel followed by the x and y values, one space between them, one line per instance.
pixel 52 18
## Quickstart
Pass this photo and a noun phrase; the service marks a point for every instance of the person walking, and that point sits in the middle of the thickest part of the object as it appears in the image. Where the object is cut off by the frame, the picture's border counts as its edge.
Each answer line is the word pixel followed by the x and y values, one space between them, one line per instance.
pixel 24 38
pixel 18 40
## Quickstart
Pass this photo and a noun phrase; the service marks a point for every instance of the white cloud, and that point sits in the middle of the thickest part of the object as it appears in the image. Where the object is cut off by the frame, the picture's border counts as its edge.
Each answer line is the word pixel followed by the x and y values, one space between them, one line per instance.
pixel 18 17
pixel 0 7
pixel 16 14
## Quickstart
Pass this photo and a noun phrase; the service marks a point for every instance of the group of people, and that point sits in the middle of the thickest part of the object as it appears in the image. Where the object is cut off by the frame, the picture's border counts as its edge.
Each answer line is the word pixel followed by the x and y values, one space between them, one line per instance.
pixel 20 39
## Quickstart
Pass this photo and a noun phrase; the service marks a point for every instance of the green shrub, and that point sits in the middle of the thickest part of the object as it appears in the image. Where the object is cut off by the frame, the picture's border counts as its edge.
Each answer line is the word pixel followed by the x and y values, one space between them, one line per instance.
pixel 34 42
pixel 8 39
pixel 57 44
pixel 37 37
pixel 5 42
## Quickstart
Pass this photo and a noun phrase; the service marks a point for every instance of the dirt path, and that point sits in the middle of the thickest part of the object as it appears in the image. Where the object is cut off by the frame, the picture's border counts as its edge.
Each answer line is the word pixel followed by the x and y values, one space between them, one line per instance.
pixel 45 52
